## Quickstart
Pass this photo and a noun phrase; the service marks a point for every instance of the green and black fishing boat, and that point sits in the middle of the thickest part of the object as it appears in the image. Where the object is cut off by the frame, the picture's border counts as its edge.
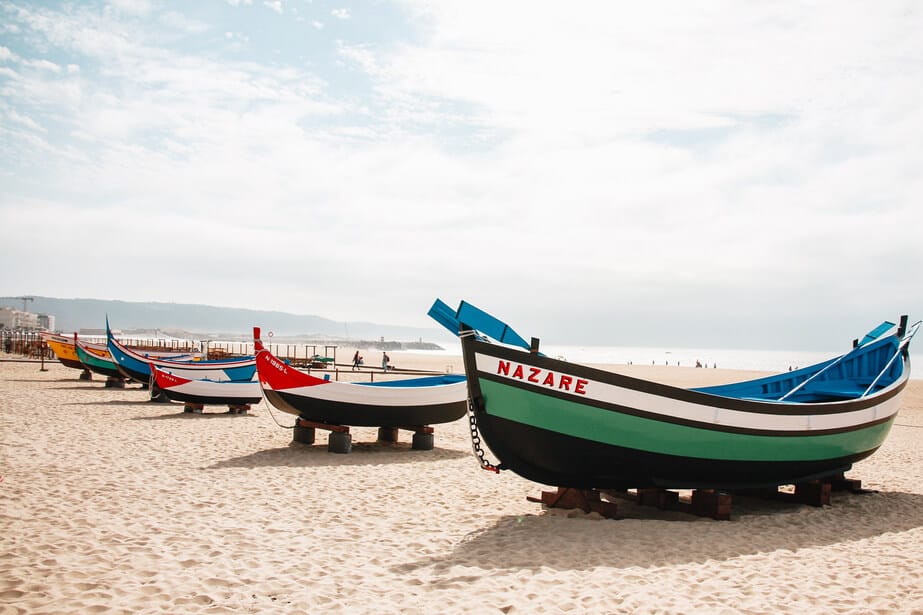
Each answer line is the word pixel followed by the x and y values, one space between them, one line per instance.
pixel 570 425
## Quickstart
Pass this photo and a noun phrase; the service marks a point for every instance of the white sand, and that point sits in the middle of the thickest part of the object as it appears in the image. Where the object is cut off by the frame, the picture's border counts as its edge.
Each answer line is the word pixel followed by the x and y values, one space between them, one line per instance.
pixel 110 503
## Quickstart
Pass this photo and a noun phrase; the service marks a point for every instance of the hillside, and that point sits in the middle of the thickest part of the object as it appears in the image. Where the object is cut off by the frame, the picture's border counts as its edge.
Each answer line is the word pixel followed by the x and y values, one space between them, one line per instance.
pixel 211 321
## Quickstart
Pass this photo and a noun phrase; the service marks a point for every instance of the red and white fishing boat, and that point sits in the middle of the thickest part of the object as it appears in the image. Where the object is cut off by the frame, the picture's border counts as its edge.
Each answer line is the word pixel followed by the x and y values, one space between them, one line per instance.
pixel 412 403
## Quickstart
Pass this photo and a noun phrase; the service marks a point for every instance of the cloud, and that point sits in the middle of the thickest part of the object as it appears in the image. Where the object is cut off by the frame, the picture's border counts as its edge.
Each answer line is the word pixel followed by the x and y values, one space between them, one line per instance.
pixel 617 168
pixel 340 13
pixel 275 5
pixel 133 7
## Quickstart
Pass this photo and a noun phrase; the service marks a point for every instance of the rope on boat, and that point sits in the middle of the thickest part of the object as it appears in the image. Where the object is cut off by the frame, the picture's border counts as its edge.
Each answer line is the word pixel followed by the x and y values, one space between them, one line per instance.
pixel 274 417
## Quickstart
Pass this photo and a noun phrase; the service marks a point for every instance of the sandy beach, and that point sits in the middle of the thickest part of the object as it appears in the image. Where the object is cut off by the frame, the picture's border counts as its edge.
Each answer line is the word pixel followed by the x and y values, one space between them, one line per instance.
pixel 112 504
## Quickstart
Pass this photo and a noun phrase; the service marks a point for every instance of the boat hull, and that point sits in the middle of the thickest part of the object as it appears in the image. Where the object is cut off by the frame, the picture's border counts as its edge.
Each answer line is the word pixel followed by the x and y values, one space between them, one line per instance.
pixel 206 392
pixel 412 402
pixel 137 366
pixel 334 412
pixel 102 365
pixel 65 351
pixel 569 425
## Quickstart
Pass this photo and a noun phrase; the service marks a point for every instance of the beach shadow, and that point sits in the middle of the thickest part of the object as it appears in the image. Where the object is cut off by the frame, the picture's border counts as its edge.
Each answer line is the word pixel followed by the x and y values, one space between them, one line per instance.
pixel 99 386
pixel 297 455
pixel 48 380
pixel 567 540
pixel 183 416
pixel 111 402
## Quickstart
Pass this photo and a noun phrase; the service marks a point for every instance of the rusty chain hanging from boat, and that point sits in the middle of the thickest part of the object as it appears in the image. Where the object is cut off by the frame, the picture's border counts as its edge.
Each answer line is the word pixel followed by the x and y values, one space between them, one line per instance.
pixel 476 440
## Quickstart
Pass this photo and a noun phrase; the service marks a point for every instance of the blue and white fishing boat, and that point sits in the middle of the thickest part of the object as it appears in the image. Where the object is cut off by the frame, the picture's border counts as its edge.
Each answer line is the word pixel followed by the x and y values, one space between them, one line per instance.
pixel 137 366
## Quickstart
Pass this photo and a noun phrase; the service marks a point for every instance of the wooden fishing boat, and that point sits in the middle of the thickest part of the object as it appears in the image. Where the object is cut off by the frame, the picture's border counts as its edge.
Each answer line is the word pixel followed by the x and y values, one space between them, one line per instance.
pixel 66 352
pixel 137 366
pixel 411 403
pixel 206 392
pixel 569 425
pixel 96 360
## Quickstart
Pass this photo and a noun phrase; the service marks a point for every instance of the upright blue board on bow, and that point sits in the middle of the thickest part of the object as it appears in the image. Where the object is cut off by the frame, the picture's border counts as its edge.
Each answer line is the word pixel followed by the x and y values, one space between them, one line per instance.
pixel 476 319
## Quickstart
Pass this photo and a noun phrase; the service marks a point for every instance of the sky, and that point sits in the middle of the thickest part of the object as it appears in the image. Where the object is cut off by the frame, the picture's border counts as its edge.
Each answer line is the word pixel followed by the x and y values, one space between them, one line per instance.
pixel 721 174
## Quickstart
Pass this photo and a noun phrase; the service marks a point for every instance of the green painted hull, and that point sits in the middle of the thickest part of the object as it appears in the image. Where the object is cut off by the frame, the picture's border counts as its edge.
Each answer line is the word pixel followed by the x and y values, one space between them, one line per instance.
pixel 569 425
pixel 659 437
pixel 97 365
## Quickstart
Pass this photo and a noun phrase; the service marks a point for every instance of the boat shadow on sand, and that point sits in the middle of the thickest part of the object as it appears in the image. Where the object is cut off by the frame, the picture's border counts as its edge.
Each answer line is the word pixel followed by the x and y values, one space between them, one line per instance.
pixel 109 402
pixel 56 380
pixel 188 416
pixel 297 455
pixel 565 540
pixel 96 387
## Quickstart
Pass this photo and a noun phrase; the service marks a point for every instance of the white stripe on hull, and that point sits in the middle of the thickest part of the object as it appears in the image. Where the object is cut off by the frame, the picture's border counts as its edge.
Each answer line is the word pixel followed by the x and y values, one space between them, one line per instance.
pixel 382 395
pixel 201 388
pixel 708 414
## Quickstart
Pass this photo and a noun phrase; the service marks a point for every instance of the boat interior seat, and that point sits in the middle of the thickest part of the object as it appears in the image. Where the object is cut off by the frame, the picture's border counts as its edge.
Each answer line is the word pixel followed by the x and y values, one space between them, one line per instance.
pixel 843 393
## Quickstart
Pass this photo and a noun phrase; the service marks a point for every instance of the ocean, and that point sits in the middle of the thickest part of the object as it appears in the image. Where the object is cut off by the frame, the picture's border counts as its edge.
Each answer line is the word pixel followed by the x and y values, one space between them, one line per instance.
pixel 727 358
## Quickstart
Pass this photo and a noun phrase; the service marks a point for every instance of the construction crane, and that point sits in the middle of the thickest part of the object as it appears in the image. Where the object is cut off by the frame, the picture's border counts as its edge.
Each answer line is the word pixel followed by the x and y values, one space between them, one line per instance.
pixel 24 300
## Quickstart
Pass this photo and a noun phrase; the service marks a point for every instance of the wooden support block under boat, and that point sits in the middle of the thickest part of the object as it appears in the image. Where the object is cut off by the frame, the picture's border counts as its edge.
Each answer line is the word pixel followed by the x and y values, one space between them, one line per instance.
pixel 587 500
pixel 193 408
pixel 387 434
pixel 86 375
pixel 710 503
pixel 812 493
pixel 335 428
pixel 238 408
pixel 340 440
pixel 158 396
pixel 703 502
pixel 114 383
pixel 661 498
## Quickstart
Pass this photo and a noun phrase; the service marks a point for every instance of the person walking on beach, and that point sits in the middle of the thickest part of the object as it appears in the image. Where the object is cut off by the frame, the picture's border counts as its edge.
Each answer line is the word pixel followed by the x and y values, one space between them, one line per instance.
pixel 385 359
pixel 357 360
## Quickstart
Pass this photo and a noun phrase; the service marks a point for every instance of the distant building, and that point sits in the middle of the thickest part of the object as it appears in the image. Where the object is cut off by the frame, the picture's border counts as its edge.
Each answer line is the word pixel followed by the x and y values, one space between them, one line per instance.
pixel 46 322
pixel 18 320
pixel 6 317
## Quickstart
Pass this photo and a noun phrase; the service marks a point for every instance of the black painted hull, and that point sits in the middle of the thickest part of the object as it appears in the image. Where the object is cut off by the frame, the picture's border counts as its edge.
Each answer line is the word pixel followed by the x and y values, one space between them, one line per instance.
pixel 209 400
pixel 555 459
pixel 364 415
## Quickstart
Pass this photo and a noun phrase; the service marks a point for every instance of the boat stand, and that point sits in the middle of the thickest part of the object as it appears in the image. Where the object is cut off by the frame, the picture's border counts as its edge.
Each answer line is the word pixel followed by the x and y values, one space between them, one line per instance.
pixel 587 500
pixel 157 395
pixel 717 504
pixel 813 493
pixel 195 408
pixel 113 382
pixel 86 375
pixel 340 440
pixel 702 503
